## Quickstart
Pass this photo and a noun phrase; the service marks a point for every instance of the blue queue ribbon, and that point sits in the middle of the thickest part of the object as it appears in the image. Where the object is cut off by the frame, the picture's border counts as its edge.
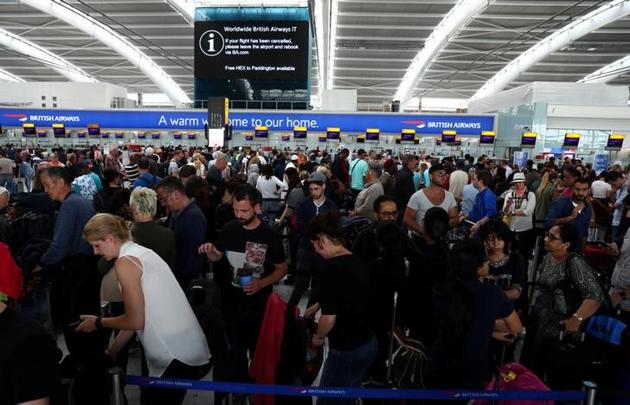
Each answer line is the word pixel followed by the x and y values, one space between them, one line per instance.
pixel 376 393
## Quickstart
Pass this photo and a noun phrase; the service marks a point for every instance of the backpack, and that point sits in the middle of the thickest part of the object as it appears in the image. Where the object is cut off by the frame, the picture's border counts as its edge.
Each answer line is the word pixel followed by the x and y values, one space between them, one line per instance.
pixel 204 297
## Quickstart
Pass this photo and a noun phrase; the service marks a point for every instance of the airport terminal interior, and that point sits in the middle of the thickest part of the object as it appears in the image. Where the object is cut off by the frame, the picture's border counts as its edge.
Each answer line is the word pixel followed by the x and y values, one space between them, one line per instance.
pixel 249 202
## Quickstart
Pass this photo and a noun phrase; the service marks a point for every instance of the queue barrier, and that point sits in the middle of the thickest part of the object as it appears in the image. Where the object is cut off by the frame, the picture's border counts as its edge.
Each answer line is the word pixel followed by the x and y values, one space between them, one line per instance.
pixel 586 396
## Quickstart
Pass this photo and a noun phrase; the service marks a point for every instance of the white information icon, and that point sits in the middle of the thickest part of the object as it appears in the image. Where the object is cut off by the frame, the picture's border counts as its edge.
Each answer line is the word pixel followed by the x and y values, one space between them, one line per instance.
pixel 211 43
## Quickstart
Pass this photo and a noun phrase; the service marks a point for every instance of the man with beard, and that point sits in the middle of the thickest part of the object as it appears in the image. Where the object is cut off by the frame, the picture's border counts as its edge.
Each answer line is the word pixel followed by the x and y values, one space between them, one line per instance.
pixel 575 209
pixel 255 256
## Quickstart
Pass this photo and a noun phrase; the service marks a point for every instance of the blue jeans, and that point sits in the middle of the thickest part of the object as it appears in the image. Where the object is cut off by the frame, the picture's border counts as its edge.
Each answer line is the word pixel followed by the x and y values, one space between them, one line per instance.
pixel 346 369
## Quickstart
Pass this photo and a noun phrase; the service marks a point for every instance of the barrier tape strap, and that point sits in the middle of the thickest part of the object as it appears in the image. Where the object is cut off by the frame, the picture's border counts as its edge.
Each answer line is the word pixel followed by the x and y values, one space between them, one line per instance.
pixel 375 393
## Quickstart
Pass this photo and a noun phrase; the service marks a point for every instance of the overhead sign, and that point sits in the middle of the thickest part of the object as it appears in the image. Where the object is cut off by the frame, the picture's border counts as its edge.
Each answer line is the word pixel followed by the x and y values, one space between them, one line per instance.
pixel 252 50
pixel 248 120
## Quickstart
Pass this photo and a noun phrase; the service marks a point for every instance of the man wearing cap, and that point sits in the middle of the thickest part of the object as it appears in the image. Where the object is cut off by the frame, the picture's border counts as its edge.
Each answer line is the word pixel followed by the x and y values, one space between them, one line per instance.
pixel 28 354
pixel 358 168
pixel 433 196
pixel 387 178
pixel 404 181
pixel 308 263
pixel 293 162
pixel 519 206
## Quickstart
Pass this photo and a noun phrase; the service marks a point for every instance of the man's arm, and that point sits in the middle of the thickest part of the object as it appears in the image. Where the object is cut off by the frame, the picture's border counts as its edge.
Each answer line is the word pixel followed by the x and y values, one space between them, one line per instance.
pixel 324 326
pixel 410 221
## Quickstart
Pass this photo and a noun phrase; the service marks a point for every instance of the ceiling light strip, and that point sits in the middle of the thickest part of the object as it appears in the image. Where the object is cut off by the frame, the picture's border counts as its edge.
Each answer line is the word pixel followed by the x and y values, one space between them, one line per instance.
pixel 10 77
pixel 332 44
pixel 117 42
pixel 321 44
pixel 36 52
pixel 456 19
pixel 608 72
pixel 588 23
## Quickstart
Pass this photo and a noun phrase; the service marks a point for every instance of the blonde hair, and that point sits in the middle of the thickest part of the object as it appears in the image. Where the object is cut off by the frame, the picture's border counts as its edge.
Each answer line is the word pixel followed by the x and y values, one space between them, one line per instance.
pixel 198 161
pixel 102 225
pixel 143 200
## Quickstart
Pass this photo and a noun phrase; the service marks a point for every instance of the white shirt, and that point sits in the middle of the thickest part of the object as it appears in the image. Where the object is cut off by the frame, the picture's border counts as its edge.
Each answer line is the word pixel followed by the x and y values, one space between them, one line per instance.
pixel 270 188
pixel 527 205
pixel 600 189
pixel 421 204
pixel 171 330
pixel 173 168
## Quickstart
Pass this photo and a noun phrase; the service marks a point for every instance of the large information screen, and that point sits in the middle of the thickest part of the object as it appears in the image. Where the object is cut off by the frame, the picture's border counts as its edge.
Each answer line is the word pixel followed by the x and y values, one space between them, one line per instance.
pixel 252 50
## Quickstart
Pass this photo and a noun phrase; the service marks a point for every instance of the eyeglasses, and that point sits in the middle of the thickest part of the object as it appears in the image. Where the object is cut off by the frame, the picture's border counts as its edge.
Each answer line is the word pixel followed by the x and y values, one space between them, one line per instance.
pixel 552 237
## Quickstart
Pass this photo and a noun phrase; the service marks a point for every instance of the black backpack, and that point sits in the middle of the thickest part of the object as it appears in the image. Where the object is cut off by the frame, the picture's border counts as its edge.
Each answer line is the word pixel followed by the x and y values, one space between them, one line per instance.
pixel 204 297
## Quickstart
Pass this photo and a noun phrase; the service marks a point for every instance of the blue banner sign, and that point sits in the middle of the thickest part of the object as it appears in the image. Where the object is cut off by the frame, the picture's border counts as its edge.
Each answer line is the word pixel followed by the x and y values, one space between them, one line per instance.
pixel 248 120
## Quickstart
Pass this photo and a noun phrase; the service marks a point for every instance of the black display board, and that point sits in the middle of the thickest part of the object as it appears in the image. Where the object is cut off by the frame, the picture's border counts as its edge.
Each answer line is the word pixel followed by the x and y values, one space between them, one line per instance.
pixel 276 50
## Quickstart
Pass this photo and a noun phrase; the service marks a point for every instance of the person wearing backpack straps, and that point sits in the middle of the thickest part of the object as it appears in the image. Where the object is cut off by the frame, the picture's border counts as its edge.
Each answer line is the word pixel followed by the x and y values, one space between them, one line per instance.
pixel 358 168
pixel 146 179
pixel 567 290
pixel 518 209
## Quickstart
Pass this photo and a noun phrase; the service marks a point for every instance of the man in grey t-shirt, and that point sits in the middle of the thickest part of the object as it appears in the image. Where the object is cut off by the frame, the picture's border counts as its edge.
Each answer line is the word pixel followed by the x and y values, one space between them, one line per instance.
pixel 433 196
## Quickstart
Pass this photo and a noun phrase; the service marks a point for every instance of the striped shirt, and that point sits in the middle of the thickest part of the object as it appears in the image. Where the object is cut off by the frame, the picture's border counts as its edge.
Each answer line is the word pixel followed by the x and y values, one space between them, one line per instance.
pixel 132 172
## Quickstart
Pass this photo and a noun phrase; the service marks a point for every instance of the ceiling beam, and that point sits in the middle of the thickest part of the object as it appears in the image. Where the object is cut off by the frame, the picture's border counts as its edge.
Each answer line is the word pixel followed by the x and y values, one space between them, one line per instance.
pixel 609 72
pixel 35 52
pixel 581 26
pixel 117 42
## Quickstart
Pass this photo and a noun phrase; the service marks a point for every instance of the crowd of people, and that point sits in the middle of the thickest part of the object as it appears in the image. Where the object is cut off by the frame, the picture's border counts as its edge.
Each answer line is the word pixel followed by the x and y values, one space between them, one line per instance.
pixel 462 254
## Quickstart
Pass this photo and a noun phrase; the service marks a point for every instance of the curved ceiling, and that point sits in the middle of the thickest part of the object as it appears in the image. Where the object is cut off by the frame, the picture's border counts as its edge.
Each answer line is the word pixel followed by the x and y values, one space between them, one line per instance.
pixel 375 43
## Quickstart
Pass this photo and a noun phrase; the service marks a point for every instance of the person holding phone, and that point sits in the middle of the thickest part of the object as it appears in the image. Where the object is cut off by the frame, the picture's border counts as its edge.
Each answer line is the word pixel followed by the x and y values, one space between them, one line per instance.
pixel 155 308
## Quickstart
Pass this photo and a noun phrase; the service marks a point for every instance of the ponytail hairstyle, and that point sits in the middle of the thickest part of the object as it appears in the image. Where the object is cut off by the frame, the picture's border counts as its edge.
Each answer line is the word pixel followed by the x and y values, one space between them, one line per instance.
pixel 102 225
pixel 457 298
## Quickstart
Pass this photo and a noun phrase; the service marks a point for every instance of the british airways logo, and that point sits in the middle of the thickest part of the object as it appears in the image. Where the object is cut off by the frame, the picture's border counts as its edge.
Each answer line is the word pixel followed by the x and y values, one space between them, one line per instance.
pixel 417 123
pixel 21 117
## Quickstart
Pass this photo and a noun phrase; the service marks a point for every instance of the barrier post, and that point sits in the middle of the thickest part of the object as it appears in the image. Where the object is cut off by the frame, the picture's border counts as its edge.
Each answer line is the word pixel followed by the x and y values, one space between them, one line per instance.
pixel 591 392
pixel 116 397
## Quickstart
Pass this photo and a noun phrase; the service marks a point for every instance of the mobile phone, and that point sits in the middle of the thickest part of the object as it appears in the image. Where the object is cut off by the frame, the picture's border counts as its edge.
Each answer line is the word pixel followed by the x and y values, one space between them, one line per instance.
pixel 468 221
pixel 510 336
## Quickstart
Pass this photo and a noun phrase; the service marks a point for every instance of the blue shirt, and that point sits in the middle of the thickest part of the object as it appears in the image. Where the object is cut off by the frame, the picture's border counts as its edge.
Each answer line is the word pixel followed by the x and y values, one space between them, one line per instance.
pixel 68 240
pixel 563 207
pixel 468 195
pixel 147 180
pixel 189 226
pixel 485 206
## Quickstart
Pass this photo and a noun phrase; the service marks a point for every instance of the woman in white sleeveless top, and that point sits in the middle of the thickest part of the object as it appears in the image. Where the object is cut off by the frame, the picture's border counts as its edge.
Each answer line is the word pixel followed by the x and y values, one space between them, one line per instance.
pixel 155 308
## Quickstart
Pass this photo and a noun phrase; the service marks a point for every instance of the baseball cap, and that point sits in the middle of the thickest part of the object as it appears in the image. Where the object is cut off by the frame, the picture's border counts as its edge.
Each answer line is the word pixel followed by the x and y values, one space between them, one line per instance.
pixel 316 177
pixel 3 190
pixel 436 167
pixel 294 157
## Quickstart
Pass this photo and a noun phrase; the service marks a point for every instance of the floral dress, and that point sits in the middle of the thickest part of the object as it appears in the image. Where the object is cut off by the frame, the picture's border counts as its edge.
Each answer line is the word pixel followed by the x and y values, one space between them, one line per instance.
pixel 549 304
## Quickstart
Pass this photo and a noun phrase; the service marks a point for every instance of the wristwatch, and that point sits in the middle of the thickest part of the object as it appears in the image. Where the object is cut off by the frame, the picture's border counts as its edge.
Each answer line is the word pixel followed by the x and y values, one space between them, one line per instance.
pixel 579 318
pixel 98 323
